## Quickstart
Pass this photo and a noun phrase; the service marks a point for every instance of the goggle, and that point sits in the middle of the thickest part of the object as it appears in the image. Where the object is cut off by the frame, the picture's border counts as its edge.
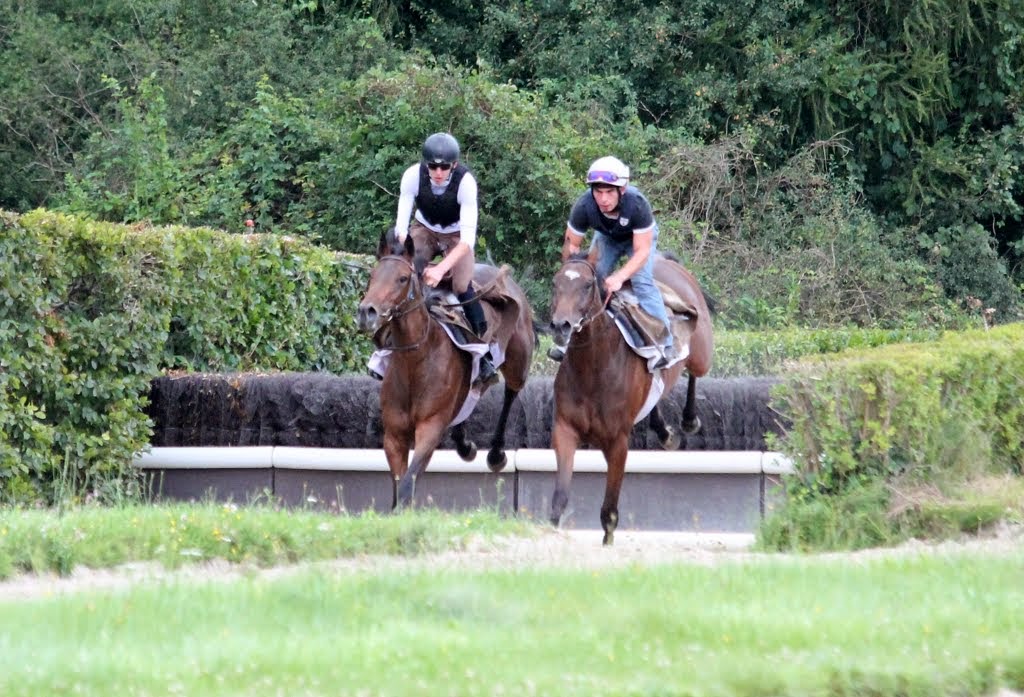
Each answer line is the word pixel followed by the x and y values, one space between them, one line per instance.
pixel 445 166
pixel 598 175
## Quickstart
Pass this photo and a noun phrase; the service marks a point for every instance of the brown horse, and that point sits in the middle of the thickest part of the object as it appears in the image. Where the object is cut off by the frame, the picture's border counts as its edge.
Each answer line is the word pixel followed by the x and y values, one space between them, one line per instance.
pixel 602 385
pixel 427 380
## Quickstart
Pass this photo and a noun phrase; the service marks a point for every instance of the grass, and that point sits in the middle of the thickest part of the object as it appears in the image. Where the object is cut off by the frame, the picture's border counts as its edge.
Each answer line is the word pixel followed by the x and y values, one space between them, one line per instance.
pixel 880 513
pixel 900 625
pixel 34 540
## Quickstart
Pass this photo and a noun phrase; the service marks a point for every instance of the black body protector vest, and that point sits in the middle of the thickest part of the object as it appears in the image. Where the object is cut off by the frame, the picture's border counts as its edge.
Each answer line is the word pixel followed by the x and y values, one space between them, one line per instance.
pixel 440 210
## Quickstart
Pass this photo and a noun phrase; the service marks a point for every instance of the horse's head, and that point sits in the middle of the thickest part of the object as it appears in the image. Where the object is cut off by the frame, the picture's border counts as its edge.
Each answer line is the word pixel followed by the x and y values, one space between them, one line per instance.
pixel 395 285
pixel 576 299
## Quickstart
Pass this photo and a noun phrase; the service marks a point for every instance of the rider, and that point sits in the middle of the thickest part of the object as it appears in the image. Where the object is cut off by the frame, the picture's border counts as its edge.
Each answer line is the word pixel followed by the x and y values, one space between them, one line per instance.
pixel 624 226
pixel 444 193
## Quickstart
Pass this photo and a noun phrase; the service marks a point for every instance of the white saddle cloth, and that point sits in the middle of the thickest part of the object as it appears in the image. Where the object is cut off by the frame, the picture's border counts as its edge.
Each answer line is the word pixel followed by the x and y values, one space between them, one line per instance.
pixel 380 359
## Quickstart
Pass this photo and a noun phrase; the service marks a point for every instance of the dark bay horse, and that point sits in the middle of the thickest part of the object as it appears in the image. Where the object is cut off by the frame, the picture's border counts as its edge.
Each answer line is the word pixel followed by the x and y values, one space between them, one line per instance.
pixel 602 385
pixel 427 380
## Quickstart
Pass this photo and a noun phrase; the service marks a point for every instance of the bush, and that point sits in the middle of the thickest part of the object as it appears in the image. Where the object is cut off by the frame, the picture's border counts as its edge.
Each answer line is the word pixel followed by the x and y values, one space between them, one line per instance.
pixel 91 312
pixel 83 317
pixel 907 408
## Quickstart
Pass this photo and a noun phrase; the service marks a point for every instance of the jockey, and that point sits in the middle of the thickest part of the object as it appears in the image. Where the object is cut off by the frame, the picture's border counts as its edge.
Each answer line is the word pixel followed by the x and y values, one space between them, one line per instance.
pixel 444 194
pixel 623 226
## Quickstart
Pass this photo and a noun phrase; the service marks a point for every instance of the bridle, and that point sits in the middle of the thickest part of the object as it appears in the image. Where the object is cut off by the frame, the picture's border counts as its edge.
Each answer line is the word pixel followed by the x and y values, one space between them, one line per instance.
pixel 594 301
pixel 414 299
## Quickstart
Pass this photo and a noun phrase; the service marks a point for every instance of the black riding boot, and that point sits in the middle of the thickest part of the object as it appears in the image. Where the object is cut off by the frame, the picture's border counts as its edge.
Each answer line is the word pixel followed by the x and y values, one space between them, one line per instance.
pixel 475 315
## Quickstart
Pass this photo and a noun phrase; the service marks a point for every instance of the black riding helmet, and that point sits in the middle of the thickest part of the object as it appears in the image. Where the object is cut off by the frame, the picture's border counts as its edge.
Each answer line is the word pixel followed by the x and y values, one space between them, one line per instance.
pixel 441 147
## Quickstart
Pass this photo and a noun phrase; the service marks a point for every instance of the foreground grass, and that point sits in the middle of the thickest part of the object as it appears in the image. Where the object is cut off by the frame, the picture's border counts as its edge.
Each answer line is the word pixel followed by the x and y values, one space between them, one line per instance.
pixel 41 541
pixel 885 513
pixel 898 625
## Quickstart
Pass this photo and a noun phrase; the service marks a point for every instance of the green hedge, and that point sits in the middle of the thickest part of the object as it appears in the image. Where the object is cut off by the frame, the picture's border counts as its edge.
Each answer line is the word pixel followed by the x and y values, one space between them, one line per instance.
pixel 91 312
pixel 914 407
pixel 742 353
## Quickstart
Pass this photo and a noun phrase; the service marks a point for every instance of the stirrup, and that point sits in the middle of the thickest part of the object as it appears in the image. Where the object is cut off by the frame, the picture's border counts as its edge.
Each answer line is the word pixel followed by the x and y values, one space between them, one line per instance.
pixel 487 375
pixel 668 354
pixel 374 374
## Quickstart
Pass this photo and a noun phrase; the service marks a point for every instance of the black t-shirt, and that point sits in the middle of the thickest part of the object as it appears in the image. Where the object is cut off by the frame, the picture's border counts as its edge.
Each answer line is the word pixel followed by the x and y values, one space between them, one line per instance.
pixel 634 214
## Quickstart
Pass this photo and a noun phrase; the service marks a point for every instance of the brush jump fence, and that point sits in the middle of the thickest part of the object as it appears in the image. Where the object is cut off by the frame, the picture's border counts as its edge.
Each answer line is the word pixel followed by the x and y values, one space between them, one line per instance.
pixel 314 439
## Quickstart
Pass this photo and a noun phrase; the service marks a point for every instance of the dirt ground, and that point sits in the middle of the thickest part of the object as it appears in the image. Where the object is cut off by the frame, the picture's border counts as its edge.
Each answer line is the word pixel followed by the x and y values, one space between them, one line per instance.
pixel 572 549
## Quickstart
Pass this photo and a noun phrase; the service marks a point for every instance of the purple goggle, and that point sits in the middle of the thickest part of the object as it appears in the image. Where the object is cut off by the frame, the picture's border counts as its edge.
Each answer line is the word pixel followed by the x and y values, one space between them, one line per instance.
pixel 599 175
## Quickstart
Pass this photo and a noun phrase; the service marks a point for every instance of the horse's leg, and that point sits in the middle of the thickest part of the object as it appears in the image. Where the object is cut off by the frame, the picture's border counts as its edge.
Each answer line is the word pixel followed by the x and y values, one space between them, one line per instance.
pixel 496 459
pixel 396 450
pixel 564 441
pixel 428 437
pixel 691 422
pixel 463 446
pixel 668 437
pixel 615 456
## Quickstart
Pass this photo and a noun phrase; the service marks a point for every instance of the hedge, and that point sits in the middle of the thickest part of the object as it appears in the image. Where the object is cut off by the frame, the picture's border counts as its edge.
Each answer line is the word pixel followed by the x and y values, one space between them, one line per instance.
pixel 91 313
pixel 914 407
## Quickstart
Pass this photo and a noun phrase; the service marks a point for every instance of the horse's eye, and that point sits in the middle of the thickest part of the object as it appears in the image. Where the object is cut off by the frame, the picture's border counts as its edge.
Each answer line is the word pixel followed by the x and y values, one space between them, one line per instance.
pixel 403 280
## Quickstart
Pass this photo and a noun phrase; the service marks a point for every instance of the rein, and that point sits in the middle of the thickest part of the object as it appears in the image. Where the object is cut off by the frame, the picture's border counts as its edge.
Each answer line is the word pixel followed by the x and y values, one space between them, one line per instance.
pixel 414 299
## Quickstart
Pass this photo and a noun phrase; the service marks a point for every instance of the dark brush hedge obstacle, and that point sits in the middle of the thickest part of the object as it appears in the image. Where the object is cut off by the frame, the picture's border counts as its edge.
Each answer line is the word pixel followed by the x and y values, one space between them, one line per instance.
pixel 329 411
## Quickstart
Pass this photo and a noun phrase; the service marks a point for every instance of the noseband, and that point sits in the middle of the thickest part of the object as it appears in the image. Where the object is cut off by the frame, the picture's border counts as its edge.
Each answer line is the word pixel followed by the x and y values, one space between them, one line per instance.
pixel 414 299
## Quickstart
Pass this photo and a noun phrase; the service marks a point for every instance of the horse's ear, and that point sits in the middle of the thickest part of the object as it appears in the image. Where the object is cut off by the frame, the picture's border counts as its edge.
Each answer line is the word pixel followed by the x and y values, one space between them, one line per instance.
pixel 384 244
pixel 410 248
pixel 419 262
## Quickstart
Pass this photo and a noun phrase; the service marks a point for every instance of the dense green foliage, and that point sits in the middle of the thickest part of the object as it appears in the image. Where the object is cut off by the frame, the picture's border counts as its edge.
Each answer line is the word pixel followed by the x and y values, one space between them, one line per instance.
pixel 82 318
pixel 91 312
pixel 815 163
pixel 884 411
pixel 867 424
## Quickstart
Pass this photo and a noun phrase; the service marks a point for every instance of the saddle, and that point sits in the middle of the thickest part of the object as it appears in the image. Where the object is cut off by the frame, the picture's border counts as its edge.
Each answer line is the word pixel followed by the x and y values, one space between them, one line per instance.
pixel 644 332
pixel 500 307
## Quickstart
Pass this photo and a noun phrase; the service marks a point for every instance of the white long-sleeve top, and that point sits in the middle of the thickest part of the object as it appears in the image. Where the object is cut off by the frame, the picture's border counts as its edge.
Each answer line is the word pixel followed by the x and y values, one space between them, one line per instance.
pixel 465 226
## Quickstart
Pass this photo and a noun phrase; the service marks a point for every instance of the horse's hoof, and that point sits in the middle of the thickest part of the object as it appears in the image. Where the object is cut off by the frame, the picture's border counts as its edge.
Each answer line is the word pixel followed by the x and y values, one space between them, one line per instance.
pixel 467 451
pixel 496 460
pixel 671 440
pixel 691 427
pixel 609 538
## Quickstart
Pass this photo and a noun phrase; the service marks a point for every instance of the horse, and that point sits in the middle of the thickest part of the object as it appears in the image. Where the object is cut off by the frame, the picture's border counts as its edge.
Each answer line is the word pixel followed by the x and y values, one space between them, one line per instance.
pixel 427 380
pixel 602 384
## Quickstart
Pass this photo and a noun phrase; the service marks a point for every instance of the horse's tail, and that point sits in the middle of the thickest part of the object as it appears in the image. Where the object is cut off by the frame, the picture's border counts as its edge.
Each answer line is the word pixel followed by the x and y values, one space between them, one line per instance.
pixel 710 300
pixel 538 329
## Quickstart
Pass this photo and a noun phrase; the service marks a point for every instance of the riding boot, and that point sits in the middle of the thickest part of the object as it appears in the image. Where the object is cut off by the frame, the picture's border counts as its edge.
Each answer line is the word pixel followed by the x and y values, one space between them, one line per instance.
pixel 556 353
pixel 475 315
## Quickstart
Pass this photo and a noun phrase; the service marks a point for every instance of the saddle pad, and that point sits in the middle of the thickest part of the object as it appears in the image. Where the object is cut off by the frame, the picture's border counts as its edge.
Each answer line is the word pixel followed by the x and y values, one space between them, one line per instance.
pixel 380 359
pixel 652 354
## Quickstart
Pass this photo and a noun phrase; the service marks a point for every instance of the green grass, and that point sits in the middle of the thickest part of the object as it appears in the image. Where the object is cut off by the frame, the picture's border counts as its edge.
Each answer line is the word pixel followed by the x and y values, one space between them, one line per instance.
pixel 906 626
pixel 752 353
pixel 882 513
pixel 38 541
